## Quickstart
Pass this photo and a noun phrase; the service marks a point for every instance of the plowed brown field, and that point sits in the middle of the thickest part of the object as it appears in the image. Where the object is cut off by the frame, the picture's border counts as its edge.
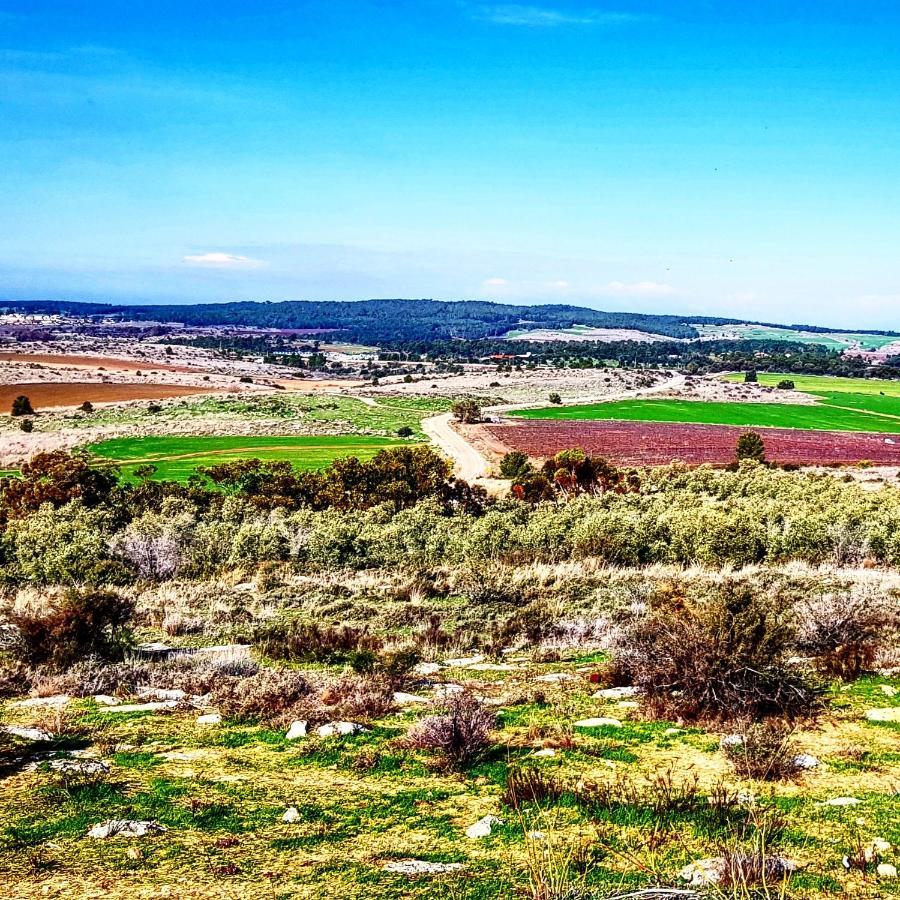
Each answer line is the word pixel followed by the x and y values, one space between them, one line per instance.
pixel 47 394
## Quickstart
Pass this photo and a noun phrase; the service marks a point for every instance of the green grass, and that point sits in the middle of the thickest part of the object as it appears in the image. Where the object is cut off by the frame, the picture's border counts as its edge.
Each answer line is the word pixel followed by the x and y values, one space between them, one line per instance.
pixel 844 404
pixel 177 458
pixel 760 415
pixel 834 340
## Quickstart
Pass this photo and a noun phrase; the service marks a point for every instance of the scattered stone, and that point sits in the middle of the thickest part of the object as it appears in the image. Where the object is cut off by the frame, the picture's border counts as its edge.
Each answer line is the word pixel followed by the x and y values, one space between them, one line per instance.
pixel 805 761
pixel 154 650
pixel 427 668
pixel 28 734
pixel 292 815
pixel 733 740
pixel 79 766
pixel 125 828
pixel 232 651
pixel 106 700
pixel 671 732
pixel 161 693
pixel 421 867
pixel 615 693
pixel 599 722
pixel 493 667
pixel 702 872
pixel 547 751
pixel 628 704
pixel 535 835
pixel 184 755
pixel 153 706
pixel 56 702
pixel 880 845
pixel 448 690
pixel 482 828
pixel 209 719
pixel 842 801
pixel 888 714
pixel 555 677
pixel 297 730
pixel 886 870
pixel 462 662
pixel 888 690
pixel 403 699
pixel 340 729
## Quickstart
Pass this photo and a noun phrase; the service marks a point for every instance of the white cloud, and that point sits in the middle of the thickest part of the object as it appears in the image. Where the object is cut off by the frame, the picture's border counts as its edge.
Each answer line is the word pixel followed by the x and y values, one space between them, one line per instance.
pixel 639 289
pixel 495 282
pixel 544 17
pixel 560 285
pixel 222 261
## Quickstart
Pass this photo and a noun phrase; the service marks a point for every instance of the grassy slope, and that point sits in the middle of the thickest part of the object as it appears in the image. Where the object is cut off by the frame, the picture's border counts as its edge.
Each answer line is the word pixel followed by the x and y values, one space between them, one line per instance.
pixel 837 340
pixel 177 458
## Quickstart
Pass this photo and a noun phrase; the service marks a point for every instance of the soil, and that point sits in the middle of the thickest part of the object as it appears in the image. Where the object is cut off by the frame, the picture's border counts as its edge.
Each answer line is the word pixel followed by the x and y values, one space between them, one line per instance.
pixel 55 394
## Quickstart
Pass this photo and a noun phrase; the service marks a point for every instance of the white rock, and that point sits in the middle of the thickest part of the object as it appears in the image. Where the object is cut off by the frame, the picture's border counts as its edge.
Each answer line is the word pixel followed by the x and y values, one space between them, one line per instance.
pixel 209 719
pixel 57 702
pixel 125 828
pixel 80 766
pixel 555 677
pixel 889 714
pixel 28 734
pixel 733 740
pixel 153 706
pixel 292 815
pixel 599 722
pixel 671 732
pixel 340 729
pixel 421 867
pixel 493 667
pixel 628 704
pixel 842 801
pixel 615 693
pixel 888 690
pixel 805 761
pixel 161 693
pixel 463 661
pixel 482 828
pixel 886 870
pixel 448 690
pixel 427 668
pixel 106 700
pixel 547 751
pixel 701 873
pixel 297 730
pixel 880 845
pixel 403 699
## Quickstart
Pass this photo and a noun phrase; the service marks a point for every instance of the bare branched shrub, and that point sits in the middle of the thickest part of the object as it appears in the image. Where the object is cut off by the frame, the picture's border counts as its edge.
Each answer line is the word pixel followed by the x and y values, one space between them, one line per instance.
pixel 529 784
pixel 358 697
pixel 272 696
pixel 308 642
pixel 461 733
pixel 718 657
pixel 766 752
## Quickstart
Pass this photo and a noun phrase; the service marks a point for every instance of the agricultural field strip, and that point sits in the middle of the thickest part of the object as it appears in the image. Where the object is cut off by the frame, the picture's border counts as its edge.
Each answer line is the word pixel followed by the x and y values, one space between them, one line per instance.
pixel 842 405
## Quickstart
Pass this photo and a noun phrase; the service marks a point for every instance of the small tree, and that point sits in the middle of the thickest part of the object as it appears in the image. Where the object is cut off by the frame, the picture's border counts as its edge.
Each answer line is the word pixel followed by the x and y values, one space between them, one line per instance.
pixel 87 407
pixel 750 377
pixel 404 431
pixel 21 406
pixel 515 465
pixel 26 425
pixel 467 411
pixel 555 398
pixel 750 446
pixel 786 385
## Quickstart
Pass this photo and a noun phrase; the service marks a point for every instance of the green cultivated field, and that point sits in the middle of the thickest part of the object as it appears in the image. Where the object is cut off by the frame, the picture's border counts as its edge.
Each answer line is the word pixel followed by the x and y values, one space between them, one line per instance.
pixel 844 404
pixel 834 340
pixel 177 458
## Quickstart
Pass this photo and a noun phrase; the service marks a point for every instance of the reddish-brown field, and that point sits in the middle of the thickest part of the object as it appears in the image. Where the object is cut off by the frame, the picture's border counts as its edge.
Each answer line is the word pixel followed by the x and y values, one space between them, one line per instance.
pixel 107 363
pixel 659 443
pixel 47 394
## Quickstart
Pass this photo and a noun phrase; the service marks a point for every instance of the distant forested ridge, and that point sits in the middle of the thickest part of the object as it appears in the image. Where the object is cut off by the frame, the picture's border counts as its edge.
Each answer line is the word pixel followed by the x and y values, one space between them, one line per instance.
pixel 376 321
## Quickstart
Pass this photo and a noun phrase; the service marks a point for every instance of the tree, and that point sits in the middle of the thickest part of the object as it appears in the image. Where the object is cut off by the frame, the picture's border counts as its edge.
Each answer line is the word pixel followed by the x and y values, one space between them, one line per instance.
pixel 555 398
pixel 21 406
pixel 87 406
pixel 515 465
pixel 786 385
pixel 27 426
pixel 750 377
pixel 750 446
pixel 466 411
pixel 404 431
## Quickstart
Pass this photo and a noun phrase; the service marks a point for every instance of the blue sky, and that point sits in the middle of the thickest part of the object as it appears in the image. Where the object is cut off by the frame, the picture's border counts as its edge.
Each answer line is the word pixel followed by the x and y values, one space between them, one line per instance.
pixel 691 155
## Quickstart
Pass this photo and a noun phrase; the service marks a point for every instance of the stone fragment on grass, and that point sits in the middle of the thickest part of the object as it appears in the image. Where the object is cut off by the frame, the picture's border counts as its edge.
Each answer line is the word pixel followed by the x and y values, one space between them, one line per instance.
pixel 152 706
pixel 56 702
pixel 149 693
pixel 106 700
pixel 461 662
pixel 615 693
pixel 213 718
pixel 340 729
pixel 886 870
pixel 547 751
pixel 296 731
pixel 482 828
pixel 403 699
pixel 421 867
pixel 599 722
pixel 291 815
pixel 28 734
pixel 888 714
pixel 842 801
pixel 443 691
pixel 888 690
pixel 425 669
pixel 555 677
pixel 805 761
pixel 125 828
pixel 79 766
pixel 710 871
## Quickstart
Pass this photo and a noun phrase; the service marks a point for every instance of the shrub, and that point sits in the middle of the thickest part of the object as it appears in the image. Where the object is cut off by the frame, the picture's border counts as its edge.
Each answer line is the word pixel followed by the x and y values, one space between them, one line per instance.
pixel 750 446
pixel 765 752
pixel 515 464
pixel 555 398
pixel 786 385
pixel 461 733
pixel 719 657
pixel 404 431
pixel 272 696
pixel 302 642
pixel 84 624
pixel 467 411
pixel 751 377
pixel 21 406
pixel 531 785
pixel 26 425
pixel 87 407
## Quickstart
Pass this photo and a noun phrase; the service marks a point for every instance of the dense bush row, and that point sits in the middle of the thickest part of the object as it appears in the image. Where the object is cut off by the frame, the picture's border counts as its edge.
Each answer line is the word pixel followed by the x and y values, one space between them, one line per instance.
pixel 701 516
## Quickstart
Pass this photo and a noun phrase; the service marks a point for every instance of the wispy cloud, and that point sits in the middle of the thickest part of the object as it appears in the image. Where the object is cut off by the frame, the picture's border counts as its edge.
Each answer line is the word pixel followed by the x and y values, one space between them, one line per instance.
pixel 639 289
pixel 548 17
pixel 495 282
pixel 216 260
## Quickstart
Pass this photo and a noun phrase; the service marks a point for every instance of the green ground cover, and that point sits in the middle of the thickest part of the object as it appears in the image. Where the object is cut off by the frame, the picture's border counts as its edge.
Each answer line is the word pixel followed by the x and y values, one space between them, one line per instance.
pixel 834 340
pixel 178 457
